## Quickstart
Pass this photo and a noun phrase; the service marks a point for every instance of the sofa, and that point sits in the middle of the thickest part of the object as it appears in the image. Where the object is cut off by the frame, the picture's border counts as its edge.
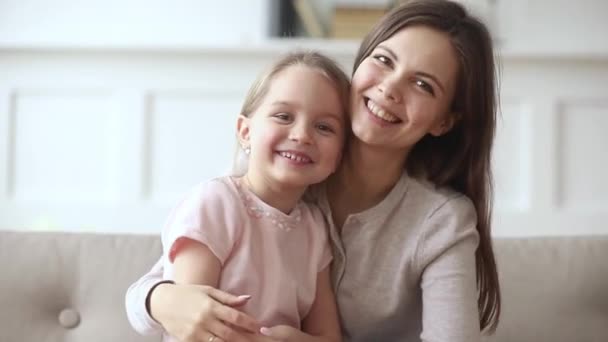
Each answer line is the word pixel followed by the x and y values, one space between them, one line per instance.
pixel 70 287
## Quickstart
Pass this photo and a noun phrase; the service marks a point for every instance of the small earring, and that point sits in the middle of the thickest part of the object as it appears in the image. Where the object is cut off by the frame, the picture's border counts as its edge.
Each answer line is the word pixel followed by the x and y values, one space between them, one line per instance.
pixel 247 150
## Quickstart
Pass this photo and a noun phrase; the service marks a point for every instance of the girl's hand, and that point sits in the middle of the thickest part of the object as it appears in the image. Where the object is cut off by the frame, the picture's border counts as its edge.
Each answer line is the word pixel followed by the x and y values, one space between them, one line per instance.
pixel 194 313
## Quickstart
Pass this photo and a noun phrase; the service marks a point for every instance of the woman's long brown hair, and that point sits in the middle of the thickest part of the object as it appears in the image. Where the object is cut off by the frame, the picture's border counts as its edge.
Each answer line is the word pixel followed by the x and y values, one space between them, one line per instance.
pixel 460 158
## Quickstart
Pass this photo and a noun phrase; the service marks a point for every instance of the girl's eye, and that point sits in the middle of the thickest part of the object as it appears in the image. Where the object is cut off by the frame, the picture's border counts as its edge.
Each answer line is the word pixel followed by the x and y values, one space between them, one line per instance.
pixel 283 116
pixel 425 86
pixel 383 59
pixel 325 128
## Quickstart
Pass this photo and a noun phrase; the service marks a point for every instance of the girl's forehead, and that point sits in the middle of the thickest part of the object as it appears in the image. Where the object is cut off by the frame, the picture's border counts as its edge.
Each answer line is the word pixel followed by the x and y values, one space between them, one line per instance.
pixel 300 82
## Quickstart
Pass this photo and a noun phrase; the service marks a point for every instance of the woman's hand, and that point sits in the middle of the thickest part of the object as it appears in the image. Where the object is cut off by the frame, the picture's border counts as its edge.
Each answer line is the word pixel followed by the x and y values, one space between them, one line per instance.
pixel 196 313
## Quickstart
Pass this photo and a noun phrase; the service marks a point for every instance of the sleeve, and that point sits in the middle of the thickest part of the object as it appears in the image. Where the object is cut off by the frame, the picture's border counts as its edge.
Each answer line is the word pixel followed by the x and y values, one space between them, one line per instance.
pixel 318 220
pixel 449 280
pixel 207 215
pixel 135 301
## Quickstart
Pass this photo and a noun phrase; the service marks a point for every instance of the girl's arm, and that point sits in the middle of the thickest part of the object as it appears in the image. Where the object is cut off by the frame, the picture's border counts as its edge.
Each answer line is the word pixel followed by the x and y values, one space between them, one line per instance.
pixel 195 264
pixel 321 324
pixel 154 307
pixel 322 320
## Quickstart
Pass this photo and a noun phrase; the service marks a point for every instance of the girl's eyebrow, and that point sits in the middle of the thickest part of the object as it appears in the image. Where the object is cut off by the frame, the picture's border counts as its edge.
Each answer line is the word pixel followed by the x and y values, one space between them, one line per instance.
pixel 418 73
pixel 333 116
pixel 337 117
pixel 281 103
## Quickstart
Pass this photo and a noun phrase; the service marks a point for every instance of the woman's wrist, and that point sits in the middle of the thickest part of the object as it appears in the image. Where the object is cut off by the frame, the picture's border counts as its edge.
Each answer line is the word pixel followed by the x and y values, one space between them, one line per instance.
pixel 156 295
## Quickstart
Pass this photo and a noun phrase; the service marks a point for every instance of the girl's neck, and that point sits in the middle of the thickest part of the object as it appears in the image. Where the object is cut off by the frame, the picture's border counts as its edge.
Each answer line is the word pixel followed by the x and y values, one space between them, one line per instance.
pixel 279 197
pixel 368 173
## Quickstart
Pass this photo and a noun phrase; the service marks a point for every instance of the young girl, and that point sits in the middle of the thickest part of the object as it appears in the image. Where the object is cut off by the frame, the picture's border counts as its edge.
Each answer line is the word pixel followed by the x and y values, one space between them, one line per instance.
pixel 409 209
pixel 251 233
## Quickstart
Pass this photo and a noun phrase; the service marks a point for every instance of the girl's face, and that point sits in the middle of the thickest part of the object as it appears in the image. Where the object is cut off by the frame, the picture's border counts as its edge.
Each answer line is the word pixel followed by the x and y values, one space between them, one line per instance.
pixel 403 90
pixel 296 135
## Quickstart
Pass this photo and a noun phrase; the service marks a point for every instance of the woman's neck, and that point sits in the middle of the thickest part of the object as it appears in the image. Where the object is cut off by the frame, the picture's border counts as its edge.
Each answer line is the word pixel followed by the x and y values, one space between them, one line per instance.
pixel 366 176
pixel 277 196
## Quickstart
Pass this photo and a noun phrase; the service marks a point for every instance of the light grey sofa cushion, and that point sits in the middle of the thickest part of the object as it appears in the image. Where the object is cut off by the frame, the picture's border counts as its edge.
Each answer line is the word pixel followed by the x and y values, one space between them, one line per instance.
pixel 44 274
pixel 554 289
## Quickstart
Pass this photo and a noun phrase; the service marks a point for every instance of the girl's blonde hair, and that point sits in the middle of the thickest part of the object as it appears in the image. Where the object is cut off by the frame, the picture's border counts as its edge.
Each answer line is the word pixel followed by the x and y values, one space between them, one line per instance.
pixel 258 90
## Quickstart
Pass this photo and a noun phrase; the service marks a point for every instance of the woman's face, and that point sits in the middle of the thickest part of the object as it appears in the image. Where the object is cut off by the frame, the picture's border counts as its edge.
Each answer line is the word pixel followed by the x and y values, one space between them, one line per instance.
pixel 403 90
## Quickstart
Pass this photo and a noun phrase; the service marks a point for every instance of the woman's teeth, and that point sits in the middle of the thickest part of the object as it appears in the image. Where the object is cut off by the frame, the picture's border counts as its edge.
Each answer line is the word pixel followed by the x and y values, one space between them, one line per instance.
pixel 296 158
pixel 381 113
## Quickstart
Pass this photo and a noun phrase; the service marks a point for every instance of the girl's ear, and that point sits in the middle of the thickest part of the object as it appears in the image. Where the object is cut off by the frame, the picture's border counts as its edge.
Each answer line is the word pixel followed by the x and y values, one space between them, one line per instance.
pixel 242 130
pixel 445 125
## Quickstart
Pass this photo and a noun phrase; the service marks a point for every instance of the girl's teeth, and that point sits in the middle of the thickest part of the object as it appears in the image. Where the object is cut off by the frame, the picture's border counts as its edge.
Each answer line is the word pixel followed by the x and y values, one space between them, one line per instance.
pixel 381 113
pixel 293 157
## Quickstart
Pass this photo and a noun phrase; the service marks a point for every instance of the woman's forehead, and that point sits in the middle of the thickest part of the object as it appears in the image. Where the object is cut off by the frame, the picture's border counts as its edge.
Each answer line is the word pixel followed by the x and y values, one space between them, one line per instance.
pixel 424 48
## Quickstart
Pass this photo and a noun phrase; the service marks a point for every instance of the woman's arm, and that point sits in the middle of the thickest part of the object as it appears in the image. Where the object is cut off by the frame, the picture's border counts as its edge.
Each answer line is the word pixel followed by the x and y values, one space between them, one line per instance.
pixel 136 300
pixel 449 280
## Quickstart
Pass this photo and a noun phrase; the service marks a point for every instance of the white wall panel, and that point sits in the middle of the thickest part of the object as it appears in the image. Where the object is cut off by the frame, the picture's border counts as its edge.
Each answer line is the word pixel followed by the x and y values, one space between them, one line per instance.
pixel 192 139
pixel 6 141
pixel 512 156
pixel 64 147
pixel 582 144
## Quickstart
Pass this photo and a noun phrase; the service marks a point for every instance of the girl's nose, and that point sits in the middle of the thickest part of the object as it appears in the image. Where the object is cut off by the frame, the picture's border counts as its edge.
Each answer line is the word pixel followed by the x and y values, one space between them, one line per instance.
pixel 300 133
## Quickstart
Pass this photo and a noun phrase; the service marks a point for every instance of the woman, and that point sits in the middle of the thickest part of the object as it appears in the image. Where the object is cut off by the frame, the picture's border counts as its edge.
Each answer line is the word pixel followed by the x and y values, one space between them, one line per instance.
pixel 409 209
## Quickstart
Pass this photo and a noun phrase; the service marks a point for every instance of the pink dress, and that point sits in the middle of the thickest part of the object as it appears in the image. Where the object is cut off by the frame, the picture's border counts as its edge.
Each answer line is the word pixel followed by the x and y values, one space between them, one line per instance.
pixel 272 256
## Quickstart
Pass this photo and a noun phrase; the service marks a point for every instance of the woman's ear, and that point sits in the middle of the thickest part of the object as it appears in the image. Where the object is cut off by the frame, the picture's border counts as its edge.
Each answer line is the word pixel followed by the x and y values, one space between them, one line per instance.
pixel 242 130
pixel 444 125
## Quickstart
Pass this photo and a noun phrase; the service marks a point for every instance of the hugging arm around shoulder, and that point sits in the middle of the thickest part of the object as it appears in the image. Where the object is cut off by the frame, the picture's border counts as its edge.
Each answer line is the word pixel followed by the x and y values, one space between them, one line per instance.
pixel 135 301
pixel 448 282
pixel 198 206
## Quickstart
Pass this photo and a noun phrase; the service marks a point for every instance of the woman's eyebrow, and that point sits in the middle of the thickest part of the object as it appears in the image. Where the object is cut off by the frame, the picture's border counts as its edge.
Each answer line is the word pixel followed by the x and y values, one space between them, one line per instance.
pixel 389 51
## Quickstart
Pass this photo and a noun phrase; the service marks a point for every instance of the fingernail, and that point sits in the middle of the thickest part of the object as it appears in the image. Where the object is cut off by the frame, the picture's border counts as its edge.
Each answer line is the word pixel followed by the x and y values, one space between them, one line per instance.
pixel 244 297
pixel 265 331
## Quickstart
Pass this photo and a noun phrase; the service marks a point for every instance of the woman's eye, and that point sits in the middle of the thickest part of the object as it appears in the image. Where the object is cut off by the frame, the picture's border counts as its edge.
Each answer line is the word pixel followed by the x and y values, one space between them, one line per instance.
pixel 425 86
pixel 382 59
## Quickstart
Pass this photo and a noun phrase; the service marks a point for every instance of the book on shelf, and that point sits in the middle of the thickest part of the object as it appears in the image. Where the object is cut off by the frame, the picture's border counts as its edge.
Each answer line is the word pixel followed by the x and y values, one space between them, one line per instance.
pixel 309 18
pixel 350 22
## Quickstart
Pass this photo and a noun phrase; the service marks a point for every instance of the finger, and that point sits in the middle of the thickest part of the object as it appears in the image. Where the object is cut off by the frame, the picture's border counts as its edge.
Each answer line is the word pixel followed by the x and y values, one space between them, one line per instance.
pixel 278 332
pixel 225 297
pixel 216 339
pixel 225 333
pixel 236 318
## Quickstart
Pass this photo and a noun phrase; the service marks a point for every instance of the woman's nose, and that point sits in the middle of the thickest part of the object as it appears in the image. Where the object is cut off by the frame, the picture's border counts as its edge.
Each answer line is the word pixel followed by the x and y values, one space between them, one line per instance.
pixel 390 89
